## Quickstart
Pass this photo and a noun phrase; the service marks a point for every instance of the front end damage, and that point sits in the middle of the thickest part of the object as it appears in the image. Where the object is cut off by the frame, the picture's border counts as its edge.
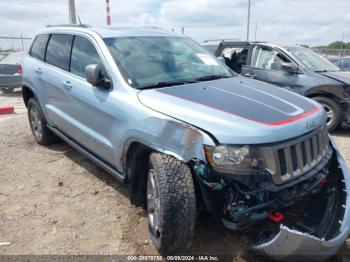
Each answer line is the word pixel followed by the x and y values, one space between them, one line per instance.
pixel 306 217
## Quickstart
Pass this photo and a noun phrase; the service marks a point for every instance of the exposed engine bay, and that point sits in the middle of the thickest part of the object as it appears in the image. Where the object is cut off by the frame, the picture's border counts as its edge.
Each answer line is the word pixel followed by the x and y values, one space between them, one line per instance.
pixel 311 209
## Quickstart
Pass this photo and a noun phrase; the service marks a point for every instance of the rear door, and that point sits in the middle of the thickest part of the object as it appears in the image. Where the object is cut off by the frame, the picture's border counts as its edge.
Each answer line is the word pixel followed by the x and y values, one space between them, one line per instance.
pixel 265 65
pixel 33 72
pixel 53 77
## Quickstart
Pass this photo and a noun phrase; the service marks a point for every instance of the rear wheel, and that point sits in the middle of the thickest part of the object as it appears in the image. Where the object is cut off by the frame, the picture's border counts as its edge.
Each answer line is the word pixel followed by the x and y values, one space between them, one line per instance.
pixel 333 111
pixel 38 124
pixel 171 204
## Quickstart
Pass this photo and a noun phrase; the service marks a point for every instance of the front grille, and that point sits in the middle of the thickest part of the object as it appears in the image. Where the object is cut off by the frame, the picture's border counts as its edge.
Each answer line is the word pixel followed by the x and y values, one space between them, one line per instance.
pixel 296 157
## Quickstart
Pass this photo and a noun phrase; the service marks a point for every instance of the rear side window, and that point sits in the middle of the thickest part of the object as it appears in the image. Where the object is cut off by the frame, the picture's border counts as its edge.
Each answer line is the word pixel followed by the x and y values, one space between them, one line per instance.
pixel 83 53
pixel 58 50
pixel 39 46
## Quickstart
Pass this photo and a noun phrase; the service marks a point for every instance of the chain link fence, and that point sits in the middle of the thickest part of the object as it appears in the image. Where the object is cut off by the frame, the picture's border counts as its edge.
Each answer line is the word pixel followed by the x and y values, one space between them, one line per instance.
pixel 12 51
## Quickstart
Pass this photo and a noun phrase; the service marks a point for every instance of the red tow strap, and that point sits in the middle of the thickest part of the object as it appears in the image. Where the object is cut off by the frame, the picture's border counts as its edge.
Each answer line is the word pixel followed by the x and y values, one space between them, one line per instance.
pixel 276 217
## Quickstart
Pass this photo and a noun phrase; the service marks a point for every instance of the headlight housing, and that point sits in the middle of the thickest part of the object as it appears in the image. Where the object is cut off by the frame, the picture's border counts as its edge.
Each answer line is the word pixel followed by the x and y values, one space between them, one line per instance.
pixel 240 160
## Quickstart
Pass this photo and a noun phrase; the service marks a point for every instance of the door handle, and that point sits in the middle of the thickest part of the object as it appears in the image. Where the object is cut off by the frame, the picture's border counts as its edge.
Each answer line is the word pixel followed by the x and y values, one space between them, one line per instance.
pixel 38 70
pixel 250 75
pixel 67 84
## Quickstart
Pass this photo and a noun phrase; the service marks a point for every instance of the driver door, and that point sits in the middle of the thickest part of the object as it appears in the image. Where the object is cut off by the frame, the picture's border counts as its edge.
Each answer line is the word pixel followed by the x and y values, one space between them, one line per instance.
pixel 266 65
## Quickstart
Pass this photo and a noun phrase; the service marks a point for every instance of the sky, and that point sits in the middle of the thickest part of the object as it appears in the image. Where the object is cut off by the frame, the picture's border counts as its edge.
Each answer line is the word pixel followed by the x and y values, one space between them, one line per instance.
pixel 312 22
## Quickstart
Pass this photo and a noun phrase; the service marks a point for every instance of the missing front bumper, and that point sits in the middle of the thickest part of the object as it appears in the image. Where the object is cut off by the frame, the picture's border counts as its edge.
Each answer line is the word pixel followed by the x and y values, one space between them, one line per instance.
pixel 289 244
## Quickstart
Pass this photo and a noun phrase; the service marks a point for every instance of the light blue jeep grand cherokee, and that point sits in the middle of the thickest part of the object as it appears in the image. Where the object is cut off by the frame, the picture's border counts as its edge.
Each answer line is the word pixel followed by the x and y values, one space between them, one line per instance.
pixel 160 113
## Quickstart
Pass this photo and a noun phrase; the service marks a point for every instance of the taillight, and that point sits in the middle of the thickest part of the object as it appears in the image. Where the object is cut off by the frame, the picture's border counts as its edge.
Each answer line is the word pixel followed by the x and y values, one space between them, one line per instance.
pixel 19 69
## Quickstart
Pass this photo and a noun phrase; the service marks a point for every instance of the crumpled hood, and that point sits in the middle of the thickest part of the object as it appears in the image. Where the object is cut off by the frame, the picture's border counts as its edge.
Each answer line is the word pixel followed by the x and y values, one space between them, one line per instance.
pixel 238 110
pixel 341 76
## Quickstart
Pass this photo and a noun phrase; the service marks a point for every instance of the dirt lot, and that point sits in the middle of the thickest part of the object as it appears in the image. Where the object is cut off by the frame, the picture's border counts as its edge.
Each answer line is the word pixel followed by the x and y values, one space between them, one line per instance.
pixel 55 201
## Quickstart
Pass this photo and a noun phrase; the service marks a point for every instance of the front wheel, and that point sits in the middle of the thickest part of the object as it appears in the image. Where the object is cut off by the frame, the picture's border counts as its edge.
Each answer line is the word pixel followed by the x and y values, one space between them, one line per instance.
pixel 332 110
pixel 171 204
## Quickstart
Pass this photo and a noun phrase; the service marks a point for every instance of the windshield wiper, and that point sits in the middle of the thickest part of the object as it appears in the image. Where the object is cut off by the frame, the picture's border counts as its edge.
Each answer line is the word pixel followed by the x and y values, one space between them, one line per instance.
pixel 325 71
pixel 211 77
pixel 160 84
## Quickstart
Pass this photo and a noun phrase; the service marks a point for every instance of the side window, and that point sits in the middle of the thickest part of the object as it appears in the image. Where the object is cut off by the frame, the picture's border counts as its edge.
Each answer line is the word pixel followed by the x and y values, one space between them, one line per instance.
pixel 235 57
pixel 39 46
pixel 268 58
pixel 83 53
pixel 58 50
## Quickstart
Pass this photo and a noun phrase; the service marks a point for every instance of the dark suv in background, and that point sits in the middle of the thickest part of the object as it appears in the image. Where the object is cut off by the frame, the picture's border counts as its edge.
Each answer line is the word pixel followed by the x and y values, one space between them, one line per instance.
pixel 295 68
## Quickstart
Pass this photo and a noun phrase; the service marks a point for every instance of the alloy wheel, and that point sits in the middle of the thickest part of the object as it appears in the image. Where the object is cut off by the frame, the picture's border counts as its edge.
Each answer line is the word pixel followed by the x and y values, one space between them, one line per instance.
pixel 330 114
pixel 36 123
pixel 153 203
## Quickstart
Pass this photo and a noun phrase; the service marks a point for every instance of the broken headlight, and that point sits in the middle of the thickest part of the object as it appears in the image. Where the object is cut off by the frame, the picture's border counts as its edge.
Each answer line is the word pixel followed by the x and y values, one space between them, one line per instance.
pixel 240 160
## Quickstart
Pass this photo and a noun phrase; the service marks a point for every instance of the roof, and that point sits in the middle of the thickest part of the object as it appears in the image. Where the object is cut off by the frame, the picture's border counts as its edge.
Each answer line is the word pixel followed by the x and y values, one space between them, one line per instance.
pixel 235 41
pixel 111 31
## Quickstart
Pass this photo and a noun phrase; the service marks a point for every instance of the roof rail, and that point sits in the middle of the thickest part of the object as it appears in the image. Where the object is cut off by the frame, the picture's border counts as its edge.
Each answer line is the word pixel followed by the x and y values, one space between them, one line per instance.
pixel 70 25
pixel 223 40
pixel 128 27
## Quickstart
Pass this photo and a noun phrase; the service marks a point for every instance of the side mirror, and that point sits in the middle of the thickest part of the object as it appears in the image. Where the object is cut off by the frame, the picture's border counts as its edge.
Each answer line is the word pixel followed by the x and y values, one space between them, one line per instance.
pixel 290 68
pixel 94 76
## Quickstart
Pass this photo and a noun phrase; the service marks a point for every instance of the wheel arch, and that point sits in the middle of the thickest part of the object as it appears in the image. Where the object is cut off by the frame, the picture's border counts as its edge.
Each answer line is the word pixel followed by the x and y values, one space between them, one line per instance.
pixel 27 93
pixel 135 164
pixel 333 92
pixel 323 94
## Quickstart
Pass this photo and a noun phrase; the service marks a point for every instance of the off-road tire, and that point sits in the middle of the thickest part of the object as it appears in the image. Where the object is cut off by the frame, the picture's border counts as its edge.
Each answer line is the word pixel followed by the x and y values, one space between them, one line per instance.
pixel 336 111
pixel 47 137
pixel 177 204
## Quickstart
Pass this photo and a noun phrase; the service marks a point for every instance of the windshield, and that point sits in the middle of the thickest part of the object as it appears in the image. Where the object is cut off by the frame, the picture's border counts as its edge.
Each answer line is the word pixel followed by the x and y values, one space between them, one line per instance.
pixel 312 60
pixel 155 61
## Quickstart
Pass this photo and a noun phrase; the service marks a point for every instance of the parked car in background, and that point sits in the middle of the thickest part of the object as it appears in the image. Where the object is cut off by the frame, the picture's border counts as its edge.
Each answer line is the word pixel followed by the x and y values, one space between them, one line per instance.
pixel 11 72
pixel 341 62
pixel 158 111
pixel 294 68
pixel 2 55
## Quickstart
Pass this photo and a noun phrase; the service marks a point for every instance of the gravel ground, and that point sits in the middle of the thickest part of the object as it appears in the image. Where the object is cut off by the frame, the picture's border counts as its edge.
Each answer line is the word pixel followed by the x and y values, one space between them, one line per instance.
pixel 53 200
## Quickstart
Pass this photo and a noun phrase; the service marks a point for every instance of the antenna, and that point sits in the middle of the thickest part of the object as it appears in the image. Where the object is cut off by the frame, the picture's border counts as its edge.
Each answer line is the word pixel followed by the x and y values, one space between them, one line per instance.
pixel 79 19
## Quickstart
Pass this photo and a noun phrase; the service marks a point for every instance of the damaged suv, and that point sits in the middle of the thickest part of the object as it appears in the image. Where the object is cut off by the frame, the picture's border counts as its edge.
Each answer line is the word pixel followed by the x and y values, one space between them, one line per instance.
pixel 160 113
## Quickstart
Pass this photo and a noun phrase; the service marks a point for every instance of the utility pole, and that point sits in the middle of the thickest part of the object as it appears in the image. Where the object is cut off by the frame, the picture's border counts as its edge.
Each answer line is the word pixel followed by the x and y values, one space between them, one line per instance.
pixel 108 13
pixel 72 14
pixel 248 20
pixel 256 29
pixel 341 49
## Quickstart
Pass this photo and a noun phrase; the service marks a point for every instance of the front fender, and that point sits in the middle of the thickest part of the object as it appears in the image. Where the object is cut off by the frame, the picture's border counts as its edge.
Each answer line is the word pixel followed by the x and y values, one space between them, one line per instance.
pixel 169 136
pixel 336 91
